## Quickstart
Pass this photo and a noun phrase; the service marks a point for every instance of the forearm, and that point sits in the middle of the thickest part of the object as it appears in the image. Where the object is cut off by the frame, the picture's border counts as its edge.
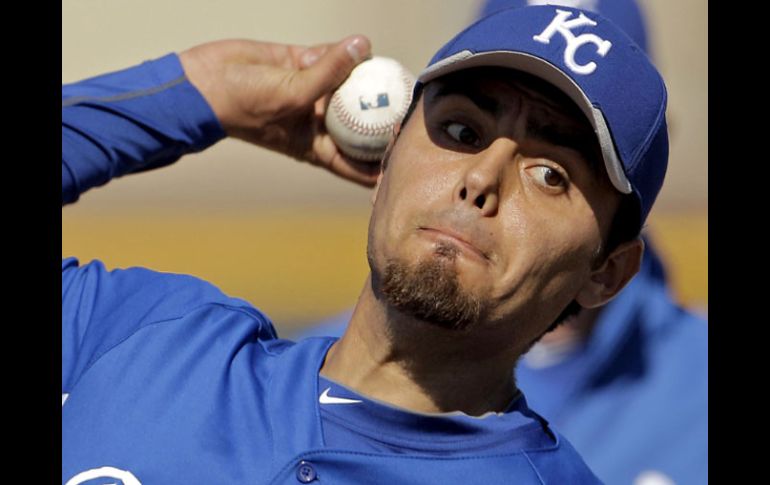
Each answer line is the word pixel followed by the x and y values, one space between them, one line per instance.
pixel 132 120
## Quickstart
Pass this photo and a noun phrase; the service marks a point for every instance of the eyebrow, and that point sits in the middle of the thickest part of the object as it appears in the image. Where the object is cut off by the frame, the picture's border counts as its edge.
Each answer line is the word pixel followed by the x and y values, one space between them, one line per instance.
pixel 577 138
pixel 483 102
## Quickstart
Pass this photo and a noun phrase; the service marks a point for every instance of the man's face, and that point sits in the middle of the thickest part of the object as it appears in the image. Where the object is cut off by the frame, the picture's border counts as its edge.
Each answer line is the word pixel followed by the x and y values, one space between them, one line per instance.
pixel 488 212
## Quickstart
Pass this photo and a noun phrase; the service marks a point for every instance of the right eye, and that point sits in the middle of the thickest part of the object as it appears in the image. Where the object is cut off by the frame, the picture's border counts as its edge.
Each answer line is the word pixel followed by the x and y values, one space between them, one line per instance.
pixel 462 134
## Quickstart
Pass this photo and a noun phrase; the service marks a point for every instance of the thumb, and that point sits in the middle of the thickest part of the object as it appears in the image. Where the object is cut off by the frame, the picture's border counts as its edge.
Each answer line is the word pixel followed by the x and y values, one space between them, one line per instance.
pixel 332 68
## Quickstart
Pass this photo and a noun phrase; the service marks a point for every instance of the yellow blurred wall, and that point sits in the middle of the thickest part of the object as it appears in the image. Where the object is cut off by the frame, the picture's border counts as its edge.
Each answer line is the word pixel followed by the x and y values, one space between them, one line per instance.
pixel 301 266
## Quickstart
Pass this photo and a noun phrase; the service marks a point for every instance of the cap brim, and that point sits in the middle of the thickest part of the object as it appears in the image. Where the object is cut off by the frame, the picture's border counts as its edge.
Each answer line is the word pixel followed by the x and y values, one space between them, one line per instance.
pixel 551 74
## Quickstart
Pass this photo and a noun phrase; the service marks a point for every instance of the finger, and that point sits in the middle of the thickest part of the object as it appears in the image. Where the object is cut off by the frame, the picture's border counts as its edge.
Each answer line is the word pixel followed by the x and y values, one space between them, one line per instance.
pixel 319 110
pixel 328 156
pixel 362 173
pixel 331 69
pixel 310 55
pixel 249 51
pixel 287 56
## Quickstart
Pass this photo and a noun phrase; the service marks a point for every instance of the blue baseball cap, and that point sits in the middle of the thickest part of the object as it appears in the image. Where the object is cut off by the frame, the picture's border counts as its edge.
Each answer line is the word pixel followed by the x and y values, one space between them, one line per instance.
pixel 593 62
pixel 626 14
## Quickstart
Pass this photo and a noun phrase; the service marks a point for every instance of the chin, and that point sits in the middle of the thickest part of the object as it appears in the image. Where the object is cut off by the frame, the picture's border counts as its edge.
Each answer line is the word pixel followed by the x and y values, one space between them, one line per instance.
pixel 430 290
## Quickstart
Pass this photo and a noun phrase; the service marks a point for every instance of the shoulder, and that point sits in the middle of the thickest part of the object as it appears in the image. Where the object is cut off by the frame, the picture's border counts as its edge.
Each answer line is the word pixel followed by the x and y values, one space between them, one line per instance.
pixel 144 310
pixel 145 293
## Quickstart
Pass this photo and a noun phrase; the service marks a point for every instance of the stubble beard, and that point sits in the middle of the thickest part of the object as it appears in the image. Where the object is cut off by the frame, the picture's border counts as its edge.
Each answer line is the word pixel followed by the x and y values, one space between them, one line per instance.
pixel 431 291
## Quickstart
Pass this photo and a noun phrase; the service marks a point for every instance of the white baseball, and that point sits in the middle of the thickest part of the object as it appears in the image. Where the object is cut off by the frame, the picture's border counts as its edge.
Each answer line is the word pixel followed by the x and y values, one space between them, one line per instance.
pixel 365 108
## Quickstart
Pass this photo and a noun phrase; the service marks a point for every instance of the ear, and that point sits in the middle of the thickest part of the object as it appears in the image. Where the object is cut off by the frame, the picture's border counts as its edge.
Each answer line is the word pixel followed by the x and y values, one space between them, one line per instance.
pixel 385 159
pixel 612 275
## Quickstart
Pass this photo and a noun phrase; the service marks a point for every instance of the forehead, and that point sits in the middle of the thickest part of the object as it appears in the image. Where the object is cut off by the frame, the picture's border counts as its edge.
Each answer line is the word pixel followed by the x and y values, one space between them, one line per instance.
pixel 505 87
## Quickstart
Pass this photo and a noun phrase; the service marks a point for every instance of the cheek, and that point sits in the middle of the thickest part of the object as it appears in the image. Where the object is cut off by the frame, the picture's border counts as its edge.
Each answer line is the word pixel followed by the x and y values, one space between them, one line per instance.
pixel 421 169
pixel 548 254
pixel 399 202
pixel 419 178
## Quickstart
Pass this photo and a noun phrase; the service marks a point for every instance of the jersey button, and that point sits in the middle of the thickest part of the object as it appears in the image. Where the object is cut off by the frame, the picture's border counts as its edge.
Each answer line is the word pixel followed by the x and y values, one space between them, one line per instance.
pixel 305 472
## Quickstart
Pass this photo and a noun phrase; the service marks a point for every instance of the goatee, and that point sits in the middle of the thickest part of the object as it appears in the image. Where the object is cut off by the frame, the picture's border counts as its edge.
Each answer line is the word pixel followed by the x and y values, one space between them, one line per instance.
pixel 431 291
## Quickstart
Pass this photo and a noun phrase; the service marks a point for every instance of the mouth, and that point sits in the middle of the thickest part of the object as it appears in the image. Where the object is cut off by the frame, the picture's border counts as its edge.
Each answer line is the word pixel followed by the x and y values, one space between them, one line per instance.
pixel 444 234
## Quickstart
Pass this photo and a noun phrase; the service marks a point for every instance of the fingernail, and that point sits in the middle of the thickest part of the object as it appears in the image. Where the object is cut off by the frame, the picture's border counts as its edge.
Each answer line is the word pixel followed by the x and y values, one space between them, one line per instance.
pixel 356 49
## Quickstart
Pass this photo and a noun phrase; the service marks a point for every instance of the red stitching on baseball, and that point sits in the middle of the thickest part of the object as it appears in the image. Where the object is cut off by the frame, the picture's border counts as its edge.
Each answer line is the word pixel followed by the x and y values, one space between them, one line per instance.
pixel 369 129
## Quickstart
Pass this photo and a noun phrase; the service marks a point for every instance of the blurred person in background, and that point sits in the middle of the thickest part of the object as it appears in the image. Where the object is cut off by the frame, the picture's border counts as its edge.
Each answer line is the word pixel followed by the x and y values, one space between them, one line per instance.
pixel 626 383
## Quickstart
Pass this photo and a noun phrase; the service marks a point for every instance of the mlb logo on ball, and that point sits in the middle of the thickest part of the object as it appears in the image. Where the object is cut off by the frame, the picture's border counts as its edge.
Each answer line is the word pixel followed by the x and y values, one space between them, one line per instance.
pixel 364 110
pixel 381 101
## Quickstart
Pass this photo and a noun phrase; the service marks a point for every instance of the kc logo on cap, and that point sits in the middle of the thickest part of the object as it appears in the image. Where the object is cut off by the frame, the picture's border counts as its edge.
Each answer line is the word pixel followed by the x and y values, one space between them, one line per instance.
pixel 562 25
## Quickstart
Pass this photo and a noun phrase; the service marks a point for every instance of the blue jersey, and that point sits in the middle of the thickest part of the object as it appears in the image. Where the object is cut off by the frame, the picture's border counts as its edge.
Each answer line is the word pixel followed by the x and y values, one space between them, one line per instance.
pixel 633 399
pixel 167 380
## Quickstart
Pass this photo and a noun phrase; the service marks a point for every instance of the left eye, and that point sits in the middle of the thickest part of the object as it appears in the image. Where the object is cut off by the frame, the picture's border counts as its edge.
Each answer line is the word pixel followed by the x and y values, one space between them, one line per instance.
pixel 549 177
pixel 461 133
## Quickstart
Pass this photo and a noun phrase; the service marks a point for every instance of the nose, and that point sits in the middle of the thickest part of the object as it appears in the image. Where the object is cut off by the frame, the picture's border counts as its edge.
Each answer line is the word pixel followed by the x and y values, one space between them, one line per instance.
pixel 480 184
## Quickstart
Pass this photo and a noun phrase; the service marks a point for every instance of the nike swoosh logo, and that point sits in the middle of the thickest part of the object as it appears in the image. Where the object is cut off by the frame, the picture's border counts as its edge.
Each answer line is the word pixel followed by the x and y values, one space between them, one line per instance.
pixel 325 398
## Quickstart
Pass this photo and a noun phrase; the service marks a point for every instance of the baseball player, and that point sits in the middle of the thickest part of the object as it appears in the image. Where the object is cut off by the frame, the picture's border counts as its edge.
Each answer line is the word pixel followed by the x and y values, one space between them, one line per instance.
pixel 514 192
pixel 627 383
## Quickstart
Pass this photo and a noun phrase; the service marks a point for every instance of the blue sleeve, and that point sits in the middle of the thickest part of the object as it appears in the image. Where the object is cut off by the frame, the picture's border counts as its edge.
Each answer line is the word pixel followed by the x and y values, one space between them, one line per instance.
pixel 132 120
pixel 101 309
